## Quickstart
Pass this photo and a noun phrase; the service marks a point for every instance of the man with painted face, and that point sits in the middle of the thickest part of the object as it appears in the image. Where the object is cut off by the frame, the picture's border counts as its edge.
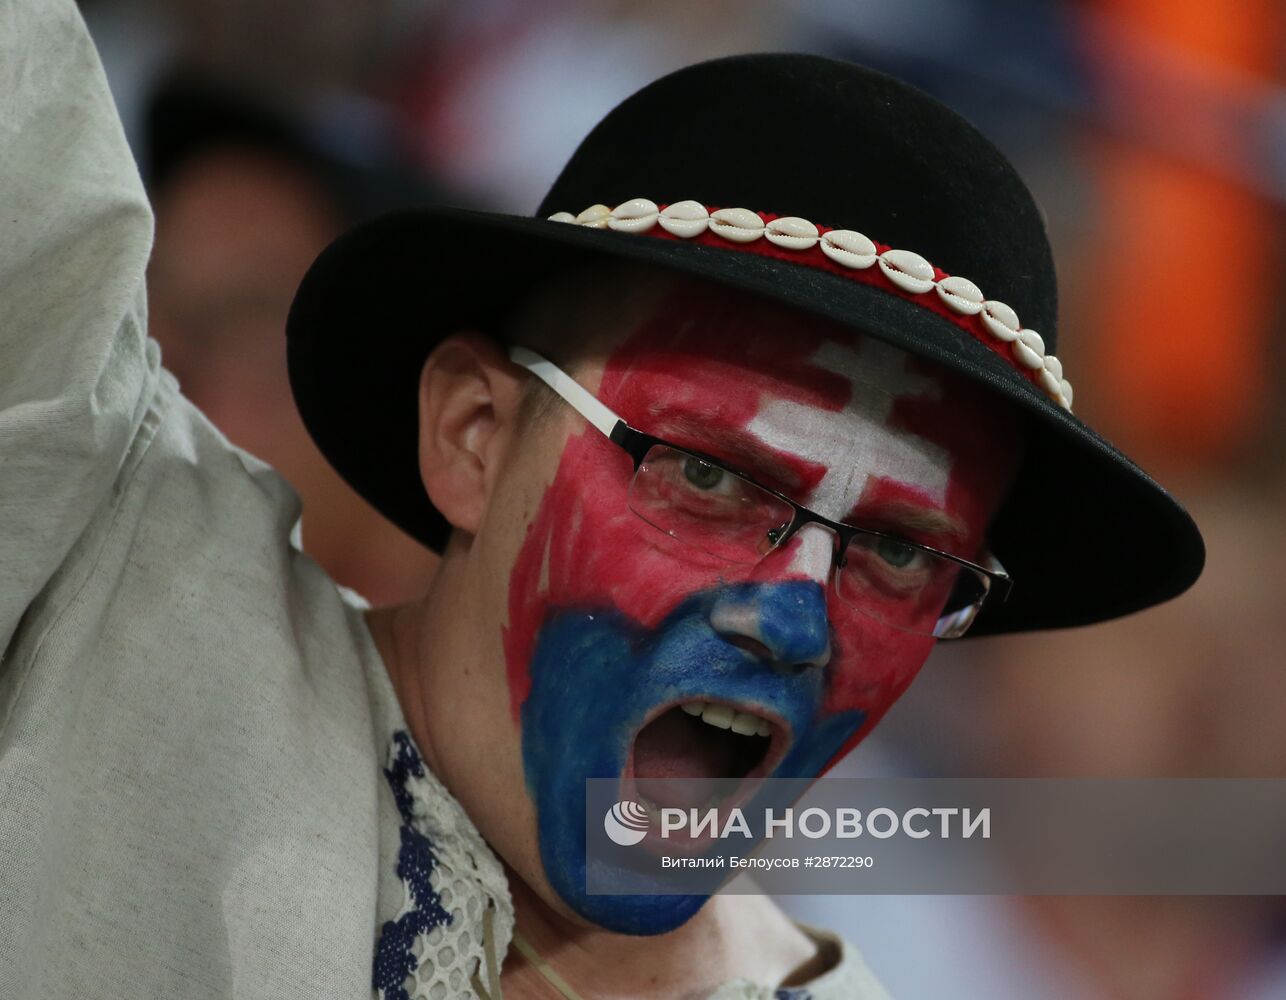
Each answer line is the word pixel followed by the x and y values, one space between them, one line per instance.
pixel 715 447
pixel 611 607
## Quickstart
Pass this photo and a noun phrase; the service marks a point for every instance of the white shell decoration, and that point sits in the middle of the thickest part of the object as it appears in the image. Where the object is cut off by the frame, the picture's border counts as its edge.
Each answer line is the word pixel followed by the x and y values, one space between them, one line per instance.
pixel 907 270
pixel 685 219
pixel 961 295
pixel 1000 320
pixel 740 225
pixel 791 232
pixel 1027 357
pixel 849 248
pixel 1029 348
pixel 595 217
pixel 634 216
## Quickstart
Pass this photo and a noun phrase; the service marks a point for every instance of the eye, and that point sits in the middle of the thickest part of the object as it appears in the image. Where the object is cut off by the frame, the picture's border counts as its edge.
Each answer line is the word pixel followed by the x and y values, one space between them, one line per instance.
pixel 897 554
pixel 701 474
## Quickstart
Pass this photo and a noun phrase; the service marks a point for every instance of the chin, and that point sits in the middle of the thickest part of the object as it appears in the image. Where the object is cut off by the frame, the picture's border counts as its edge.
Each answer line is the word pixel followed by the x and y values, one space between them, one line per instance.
pixel 610 699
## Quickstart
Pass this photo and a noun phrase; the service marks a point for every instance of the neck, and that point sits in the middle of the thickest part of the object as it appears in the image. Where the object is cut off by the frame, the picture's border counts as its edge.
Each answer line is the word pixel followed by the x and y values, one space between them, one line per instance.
pixel 397 635
pixel 418 632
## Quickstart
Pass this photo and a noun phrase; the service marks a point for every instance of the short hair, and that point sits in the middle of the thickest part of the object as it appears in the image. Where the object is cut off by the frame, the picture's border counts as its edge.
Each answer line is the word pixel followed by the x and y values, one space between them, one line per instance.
pixel 574 314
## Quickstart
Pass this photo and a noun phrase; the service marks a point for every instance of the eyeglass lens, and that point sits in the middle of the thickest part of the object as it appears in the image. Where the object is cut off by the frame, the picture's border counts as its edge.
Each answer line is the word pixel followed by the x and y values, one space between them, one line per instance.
pixel 721 514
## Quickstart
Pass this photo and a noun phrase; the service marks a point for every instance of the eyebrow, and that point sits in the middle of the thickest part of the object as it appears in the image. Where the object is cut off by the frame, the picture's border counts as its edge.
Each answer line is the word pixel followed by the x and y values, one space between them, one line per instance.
pixel 903 517
pixel 738 449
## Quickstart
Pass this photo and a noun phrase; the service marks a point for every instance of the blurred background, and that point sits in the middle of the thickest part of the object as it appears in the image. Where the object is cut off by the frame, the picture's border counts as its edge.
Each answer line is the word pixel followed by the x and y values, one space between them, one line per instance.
pixel 1153 133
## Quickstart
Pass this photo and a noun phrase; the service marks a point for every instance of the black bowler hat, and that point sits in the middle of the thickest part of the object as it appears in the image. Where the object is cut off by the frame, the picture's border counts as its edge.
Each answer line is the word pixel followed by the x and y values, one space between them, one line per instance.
pixel 816 183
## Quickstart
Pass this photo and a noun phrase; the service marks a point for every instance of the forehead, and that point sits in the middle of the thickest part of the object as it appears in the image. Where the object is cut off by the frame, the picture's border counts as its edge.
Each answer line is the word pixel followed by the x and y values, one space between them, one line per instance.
pixel 702 358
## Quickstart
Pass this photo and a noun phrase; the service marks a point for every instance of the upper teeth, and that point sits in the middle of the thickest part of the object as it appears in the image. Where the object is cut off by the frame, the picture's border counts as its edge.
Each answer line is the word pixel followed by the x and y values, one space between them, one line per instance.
pixel 727 717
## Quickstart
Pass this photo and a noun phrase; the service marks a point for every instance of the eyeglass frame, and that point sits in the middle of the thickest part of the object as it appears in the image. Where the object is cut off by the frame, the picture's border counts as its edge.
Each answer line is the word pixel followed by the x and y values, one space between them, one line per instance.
pixel 637 444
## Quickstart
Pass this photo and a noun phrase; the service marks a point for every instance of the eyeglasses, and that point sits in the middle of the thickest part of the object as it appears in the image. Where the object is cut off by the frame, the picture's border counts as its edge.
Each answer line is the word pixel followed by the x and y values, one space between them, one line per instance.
pixel 709 507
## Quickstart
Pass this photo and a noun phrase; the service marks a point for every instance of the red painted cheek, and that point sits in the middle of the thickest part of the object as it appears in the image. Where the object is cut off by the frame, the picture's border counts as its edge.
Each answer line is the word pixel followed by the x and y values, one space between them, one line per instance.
pixel 872 665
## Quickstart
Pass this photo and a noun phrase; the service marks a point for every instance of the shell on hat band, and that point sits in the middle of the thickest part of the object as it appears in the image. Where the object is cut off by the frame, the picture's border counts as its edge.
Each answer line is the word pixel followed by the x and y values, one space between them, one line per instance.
pixel 903 271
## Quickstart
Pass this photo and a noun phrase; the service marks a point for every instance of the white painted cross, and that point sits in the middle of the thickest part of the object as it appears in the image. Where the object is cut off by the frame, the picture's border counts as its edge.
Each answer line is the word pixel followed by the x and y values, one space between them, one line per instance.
pixel 857 442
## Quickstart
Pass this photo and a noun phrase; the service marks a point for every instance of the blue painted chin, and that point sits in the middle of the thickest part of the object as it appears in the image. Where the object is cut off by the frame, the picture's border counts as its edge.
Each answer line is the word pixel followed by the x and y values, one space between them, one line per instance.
pixel 595 676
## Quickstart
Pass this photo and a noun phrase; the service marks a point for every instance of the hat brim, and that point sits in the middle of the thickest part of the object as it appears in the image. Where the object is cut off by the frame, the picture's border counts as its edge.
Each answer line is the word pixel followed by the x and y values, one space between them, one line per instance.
pixel 1085 533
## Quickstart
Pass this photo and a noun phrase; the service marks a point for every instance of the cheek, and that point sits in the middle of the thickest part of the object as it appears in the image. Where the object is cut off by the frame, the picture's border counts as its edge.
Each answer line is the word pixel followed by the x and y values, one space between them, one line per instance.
pixel 871 666
pixel 586 549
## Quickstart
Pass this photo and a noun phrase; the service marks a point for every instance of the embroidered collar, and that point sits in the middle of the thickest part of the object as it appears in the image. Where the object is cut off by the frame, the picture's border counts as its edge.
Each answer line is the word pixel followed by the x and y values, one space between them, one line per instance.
pixel 456 900
pixel 435 945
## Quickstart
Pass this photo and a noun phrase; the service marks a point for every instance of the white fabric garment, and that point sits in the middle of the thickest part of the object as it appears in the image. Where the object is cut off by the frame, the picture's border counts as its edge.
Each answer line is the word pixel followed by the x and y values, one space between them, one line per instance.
pixel 205 785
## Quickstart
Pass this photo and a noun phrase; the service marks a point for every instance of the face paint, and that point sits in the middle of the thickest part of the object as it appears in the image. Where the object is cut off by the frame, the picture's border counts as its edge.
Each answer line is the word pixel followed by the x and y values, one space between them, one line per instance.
pixel 613 623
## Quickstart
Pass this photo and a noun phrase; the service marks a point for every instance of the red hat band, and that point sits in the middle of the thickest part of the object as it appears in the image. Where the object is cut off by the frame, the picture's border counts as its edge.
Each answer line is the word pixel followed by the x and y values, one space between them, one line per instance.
pixel 852 255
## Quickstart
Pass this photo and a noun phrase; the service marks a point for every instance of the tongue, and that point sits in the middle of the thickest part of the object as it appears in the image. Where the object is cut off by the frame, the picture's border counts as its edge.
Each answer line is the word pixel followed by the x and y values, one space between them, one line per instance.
pixel 678 745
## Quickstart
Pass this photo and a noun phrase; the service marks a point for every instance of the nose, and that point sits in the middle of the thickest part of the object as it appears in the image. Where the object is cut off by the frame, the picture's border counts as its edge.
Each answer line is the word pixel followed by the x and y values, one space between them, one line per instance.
pixel 783 623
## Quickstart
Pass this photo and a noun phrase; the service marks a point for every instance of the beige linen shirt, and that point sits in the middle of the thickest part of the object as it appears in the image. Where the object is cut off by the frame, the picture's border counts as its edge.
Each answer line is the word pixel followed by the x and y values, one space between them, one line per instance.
pixel 206 789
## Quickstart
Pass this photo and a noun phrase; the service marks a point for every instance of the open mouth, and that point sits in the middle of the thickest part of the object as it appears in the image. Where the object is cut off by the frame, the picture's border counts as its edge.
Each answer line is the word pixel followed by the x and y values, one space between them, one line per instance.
pixel 724 745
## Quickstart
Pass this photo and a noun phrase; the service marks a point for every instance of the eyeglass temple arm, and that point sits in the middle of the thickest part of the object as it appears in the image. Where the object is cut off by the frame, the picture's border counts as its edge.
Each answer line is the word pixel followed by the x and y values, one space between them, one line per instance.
pixel 577 396
pixel 1001 579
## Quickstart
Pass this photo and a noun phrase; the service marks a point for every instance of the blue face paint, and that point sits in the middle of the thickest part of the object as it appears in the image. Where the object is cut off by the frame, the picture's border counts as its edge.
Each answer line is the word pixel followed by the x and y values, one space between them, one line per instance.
pixel 595 677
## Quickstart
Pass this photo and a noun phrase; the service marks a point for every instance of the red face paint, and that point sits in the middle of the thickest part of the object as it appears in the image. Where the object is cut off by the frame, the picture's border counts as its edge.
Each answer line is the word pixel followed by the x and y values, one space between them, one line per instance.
pixel 712 370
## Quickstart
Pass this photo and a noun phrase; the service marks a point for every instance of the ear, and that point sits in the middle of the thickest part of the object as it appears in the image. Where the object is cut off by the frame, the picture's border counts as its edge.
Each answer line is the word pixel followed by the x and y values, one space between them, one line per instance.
pixel 469 399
